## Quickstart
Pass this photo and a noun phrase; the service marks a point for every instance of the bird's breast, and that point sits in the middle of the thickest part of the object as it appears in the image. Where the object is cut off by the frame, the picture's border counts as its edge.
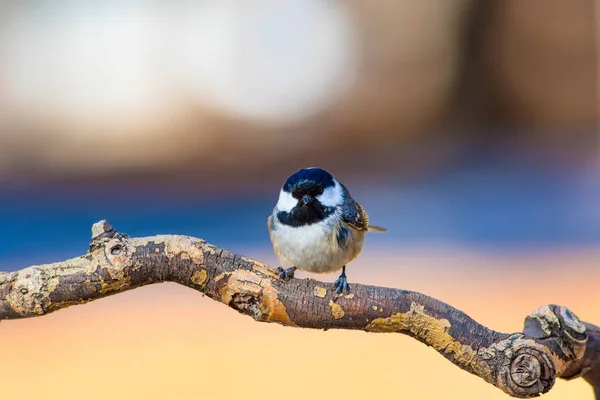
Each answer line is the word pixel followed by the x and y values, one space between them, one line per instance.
pixel 315 248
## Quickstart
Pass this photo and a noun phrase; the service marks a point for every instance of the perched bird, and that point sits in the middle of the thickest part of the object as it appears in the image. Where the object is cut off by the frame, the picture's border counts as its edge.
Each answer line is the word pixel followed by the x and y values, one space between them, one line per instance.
pixel 316 226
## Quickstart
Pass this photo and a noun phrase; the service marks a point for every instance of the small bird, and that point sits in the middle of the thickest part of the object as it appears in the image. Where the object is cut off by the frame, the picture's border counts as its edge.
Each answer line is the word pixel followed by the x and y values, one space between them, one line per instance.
pixel 316 226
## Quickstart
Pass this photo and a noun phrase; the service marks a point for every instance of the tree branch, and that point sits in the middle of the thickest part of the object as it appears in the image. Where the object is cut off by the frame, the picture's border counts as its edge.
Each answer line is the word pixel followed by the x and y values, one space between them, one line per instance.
pixel 554 343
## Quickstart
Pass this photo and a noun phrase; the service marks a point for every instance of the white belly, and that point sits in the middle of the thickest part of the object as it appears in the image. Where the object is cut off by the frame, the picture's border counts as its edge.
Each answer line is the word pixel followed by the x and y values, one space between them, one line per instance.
pixel 314 248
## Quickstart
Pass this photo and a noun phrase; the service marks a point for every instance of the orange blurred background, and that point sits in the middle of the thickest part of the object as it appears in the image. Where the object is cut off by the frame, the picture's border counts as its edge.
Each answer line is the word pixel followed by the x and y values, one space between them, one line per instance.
pixel 468 127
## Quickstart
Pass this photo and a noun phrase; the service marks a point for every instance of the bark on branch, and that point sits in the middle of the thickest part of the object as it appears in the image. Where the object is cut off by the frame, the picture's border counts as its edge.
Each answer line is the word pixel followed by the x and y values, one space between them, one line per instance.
pixel 554 343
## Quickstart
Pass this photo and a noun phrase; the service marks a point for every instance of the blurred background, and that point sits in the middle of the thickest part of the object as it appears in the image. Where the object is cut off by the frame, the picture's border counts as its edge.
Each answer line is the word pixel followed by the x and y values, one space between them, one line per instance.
pixel 468 127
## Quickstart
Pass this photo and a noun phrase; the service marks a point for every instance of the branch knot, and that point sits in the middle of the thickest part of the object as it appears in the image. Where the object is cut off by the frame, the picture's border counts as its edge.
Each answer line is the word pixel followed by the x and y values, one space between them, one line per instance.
pixel 524 368
pixel 102 232
pixel 562 326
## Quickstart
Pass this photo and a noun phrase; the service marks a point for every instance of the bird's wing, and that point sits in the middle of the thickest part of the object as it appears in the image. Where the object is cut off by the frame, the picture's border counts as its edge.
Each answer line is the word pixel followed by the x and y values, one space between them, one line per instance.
pixel 355 216
pixel 270 224
pixel 375 228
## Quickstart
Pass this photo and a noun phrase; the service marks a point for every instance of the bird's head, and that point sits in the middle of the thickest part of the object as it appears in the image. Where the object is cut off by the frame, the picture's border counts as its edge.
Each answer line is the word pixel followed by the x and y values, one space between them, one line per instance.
pixel 309 196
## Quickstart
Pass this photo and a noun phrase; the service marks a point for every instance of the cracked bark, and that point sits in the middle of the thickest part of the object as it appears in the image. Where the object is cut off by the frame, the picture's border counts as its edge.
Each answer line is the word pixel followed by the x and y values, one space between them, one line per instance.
pixel 554 343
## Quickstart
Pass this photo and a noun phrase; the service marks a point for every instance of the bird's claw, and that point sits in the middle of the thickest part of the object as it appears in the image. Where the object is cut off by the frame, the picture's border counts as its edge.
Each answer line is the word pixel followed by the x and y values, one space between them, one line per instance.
pixel 341 284
pixel 286 274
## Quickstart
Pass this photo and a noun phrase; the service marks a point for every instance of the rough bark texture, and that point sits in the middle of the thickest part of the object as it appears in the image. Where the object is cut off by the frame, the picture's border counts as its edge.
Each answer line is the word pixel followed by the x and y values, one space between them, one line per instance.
pixel 554 343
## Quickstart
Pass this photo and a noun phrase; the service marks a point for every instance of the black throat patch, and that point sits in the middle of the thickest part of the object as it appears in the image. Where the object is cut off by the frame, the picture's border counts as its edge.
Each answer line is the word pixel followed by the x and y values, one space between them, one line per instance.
pixel 307 215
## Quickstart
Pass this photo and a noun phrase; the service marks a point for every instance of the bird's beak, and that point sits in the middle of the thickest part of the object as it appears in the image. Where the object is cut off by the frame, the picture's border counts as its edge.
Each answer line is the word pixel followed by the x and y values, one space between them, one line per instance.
pixel 306 199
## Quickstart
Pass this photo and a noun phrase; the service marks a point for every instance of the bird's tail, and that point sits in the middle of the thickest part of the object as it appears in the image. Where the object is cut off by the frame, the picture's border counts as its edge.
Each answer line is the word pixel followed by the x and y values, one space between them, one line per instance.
pixel 375 228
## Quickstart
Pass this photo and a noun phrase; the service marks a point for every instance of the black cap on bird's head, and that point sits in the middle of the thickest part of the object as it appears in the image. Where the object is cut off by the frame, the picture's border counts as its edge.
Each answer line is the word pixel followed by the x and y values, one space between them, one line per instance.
pixel 308 196
pixel 308 183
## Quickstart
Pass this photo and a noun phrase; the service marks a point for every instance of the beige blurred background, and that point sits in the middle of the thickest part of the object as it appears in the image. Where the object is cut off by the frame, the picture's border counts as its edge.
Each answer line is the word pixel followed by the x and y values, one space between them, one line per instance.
pixel 152 86
pixel 468 127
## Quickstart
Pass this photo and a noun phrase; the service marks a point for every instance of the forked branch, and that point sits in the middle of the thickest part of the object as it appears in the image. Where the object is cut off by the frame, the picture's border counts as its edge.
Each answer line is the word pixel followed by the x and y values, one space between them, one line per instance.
pixel 554 343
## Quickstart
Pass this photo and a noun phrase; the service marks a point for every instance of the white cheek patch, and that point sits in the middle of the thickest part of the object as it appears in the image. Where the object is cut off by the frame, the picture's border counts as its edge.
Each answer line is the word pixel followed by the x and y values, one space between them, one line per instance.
pixel 286 201
pixel 332 196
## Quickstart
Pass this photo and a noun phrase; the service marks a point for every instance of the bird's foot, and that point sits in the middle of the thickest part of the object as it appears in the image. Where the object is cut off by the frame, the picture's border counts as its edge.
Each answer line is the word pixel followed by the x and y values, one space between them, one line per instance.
pixel 286 274
pixel 341 284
